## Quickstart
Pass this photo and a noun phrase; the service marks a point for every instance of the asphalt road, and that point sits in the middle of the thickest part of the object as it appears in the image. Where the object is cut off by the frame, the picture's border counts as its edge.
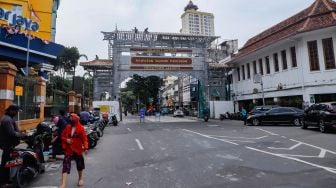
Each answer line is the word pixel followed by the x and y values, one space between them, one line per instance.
pixel 184 153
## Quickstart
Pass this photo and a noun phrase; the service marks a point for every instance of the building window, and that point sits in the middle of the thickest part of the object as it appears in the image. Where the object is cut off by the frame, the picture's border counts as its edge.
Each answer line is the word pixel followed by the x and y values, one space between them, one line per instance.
pixel 328 51
pixel 261 67
pixel 243 72
pixel 313 55
pixel 255 67
pixel 276 62
pixel 238 73
pixel 248 71
pixel 284 59
pixel 268 68
pixel 293 55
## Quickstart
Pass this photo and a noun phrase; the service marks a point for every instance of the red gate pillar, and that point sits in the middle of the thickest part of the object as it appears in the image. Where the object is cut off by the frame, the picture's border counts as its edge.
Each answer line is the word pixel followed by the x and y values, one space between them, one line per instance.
pixel 7 76
pixel 71 101
pixel 79 103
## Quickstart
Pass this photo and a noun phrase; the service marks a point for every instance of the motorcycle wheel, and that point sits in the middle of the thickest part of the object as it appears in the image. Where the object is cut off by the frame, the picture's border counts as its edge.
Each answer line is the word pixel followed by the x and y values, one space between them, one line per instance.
pixel 92 144
pixel 19 180
pixel 100 133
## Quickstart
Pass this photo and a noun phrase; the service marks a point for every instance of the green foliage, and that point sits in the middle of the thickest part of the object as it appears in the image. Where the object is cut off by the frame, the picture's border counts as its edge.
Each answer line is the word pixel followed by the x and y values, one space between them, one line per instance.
pixel 142 87
pixel 57 83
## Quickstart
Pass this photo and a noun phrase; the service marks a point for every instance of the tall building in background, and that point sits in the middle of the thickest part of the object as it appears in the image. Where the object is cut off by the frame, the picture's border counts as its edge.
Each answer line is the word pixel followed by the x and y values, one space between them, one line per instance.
pixel 197 22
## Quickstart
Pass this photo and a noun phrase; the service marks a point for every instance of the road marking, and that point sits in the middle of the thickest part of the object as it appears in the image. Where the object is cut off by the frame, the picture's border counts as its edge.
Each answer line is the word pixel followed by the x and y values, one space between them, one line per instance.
pixel 240 137
pixel 332 170
pixel 283 137
pixel 212 125
pixel 315 146
pixel 267 131
pixel 206 136
pixel 139 144
pixel 129 129
pixel 291 148
pixel 322 153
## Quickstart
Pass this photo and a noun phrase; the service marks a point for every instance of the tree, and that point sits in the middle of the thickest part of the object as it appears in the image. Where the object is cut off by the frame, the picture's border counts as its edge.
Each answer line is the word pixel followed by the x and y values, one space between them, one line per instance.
pixel 68 61
pixel 142 87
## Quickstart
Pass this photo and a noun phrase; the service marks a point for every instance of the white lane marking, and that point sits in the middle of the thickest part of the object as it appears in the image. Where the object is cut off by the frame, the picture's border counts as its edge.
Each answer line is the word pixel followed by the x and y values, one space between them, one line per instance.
pixel 239 137
pixel 332 170
pixel 129 129
pixel 139 144
pixel 206 136
pixel 322 153
pixel 283 137
pixel 291 148
pixel 315 146
pixel 302 156
pixel 267 131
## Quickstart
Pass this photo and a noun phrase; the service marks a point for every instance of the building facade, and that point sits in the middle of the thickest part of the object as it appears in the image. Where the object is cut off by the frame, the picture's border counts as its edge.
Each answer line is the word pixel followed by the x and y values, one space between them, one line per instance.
pixel 295 59
pixel 26 49
pixel 197 22
pixel 42 14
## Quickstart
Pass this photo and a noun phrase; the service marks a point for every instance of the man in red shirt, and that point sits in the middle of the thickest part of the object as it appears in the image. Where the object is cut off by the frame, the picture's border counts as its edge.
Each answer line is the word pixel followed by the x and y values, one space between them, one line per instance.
pixel 74 141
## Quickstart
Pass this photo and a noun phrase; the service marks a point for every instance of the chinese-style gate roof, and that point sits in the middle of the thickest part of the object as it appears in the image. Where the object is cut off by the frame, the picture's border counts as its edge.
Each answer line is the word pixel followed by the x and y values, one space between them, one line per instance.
pixel 97 64
pixel 321 14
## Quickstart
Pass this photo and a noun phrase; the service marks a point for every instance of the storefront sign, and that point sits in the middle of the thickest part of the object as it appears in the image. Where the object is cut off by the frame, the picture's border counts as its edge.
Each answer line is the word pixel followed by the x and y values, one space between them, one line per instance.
pixel 160 61
pixel 18 90
pixel 164 68
pixel 17 20
pixel 161 50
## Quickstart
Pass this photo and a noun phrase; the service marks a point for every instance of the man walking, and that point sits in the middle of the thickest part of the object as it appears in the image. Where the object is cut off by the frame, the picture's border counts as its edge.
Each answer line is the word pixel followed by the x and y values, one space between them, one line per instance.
pixel 9 138
pixel 244 114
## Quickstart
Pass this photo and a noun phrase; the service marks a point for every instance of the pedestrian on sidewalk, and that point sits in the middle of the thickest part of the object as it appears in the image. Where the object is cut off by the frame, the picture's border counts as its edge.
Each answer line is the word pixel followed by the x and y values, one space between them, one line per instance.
pixel 9 138
pixel 74 141
pixel 243 112
pixel 61 122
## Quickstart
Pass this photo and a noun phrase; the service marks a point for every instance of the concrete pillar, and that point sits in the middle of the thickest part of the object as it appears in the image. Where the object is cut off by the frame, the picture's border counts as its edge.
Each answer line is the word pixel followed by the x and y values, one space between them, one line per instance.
pixel 7 76
pixel 71 105
pixel 41 96
pixel 79 102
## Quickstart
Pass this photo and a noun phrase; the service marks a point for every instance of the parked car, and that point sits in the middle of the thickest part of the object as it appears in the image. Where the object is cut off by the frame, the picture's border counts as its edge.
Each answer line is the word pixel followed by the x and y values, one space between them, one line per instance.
pixel 164 111
pixel 278 115
pixel 261 109
pixel 321 115
pixel 178 113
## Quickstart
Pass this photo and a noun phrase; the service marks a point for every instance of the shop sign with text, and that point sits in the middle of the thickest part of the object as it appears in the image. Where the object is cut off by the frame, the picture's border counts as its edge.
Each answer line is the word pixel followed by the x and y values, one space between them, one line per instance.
pixel 14 20
pixel 161 61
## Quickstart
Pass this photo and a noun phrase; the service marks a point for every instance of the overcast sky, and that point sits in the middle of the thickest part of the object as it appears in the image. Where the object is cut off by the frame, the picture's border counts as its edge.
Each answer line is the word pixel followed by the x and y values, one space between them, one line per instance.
pixel 80 22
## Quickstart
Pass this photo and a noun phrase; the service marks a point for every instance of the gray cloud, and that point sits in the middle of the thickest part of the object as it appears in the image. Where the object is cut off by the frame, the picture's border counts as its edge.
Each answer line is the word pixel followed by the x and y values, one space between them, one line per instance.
pixel 80 22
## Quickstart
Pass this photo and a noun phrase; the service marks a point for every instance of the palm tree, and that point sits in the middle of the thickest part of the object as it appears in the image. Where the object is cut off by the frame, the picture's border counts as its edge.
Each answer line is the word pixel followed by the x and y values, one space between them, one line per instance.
pixel 68 61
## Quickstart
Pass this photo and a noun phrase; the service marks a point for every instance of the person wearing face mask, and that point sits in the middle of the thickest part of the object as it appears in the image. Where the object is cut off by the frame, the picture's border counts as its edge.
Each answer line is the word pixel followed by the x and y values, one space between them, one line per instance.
pixel 10 136
pixel 74 142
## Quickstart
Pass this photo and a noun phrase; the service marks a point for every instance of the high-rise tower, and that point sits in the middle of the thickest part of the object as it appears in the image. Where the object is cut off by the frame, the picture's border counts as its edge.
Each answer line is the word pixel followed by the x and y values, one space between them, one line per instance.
pixel 197 22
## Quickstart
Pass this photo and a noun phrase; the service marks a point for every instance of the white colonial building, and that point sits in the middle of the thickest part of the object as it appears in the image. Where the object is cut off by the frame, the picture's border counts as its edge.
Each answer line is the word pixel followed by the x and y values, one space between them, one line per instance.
pixel 296 59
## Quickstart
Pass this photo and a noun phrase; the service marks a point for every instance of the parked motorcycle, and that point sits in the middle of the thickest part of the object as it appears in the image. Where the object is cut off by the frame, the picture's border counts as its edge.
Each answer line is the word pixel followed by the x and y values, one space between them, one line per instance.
pixel 26 164
pixel 206 114
pixel 114 120
pixel 92 137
